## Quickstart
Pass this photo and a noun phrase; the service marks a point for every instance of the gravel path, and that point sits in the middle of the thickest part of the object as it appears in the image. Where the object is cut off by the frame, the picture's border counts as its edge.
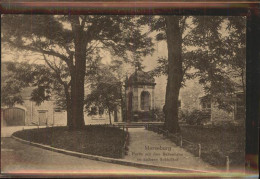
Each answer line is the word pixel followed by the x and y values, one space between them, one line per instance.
pixel 151 148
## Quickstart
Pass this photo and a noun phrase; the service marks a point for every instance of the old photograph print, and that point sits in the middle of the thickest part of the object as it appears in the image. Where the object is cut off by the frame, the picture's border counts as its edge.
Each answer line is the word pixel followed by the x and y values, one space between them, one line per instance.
pixel 121 94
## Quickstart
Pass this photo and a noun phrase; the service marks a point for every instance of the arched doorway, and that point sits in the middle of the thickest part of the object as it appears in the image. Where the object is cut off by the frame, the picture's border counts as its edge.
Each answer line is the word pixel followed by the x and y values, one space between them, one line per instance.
pixel 145 101
pixel 14 116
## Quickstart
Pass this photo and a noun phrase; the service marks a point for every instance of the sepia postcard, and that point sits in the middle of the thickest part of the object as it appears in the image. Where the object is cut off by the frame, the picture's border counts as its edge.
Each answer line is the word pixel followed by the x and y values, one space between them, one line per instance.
pixel 116 89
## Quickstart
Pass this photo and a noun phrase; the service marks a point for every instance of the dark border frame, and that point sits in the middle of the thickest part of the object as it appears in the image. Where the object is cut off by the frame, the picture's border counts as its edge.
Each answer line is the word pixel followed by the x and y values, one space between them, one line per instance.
pixel 250 9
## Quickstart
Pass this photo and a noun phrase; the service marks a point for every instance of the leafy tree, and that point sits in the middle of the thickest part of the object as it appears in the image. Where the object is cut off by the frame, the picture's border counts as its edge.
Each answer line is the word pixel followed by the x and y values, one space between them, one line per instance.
pixel 19 76
pixel 37 77
pixel 10 93
pixel 236 46
pixel 105 92
pixel 216 52
pixel 195 43
pixel 10 87
pixel 71 40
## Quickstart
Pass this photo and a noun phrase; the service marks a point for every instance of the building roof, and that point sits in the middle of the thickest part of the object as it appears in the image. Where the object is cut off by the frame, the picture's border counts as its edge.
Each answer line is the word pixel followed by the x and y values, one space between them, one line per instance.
pixel 140 77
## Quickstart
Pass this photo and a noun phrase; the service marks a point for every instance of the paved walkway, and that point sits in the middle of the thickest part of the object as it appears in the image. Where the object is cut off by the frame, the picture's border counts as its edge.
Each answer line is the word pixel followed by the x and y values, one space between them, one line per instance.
pixel 8 131
pixel 151 148
pixel 17 157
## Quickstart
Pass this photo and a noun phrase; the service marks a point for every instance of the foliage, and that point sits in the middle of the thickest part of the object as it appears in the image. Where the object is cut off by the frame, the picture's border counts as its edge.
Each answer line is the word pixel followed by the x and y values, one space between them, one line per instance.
pixel 158 114
pixel 42 33
pixel 105 95
pixel 213 50
pixel 10 92
pixel 161 68
pixel 67 42
pixel 105 92
pixel 190 95
pixel 212 57
pixel 42 80
pixel 10 87
pixel 183 114
pixel 23 75
pixel 197 117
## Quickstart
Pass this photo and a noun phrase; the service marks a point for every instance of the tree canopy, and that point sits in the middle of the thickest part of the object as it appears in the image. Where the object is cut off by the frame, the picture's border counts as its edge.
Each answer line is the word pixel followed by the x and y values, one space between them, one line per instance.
pixel 69 41
pixel 208 47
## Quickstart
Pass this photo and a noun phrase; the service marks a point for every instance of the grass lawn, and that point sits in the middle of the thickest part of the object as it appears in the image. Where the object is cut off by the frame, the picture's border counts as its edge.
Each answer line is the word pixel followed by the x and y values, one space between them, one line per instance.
pixel 217 143
pixel 96 140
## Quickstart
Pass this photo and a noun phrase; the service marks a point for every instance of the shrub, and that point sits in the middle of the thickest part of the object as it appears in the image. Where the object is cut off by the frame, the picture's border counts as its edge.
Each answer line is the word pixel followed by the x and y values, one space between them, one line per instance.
pixel 158 114
pixel 183 115
pixel 197 117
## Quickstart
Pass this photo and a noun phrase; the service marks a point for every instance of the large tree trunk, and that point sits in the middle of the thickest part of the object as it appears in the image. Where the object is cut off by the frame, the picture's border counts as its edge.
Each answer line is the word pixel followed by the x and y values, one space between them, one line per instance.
pixel 78 76
pixel 174 44
pixel 77 90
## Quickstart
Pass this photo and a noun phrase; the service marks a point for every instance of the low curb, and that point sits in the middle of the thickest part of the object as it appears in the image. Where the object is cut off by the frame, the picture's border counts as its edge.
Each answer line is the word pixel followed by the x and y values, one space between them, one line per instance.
pixel 112 160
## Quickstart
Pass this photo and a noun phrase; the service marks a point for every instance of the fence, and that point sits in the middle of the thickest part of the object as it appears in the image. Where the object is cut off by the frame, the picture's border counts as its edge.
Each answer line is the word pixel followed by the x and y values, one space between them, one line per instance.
pixel 182 142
